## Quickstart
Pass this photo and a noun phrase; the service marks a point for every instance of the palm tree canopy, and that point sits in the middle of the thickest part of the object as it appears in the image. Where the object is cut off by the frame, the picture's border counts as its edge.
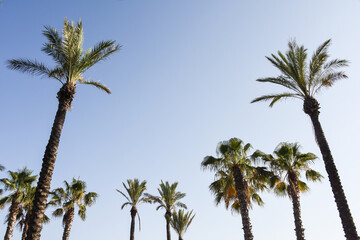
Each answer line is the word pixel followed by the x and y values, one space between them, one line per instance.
pixel 303 78
pixel 235 152
pixel 134 190
pixel 16 184
pixel 70 58
pixel 287 161
pixel 169 198
pixel 73 195
pixel 180 220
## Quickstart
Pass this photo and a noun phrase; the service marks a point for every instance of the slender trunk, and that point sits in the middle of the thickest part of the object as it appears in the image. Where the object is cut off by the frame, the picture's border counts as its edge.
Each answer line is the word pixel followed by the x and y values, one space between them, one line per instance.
pixel 68 220
pixel 65 96
pixel 13 211
pixel 133 212
pixel 168 217
pixel 241 191
pixel 295 198
pixel 311 107
pixel 180 238
pixel 26 225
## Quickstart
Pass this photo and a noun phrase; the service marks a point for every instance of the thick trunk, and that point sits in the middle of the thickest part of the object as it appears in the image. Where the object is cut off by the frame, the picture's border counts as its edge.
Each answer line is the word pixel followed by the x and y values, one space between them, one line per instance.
pixel 241 191
pixel 168 217
pixel 13 211
pixel 65 96
pixel 295 198
pixel 180 238
pixel 311 107
pixel 26 226
pixel 68 220
pixel 133 212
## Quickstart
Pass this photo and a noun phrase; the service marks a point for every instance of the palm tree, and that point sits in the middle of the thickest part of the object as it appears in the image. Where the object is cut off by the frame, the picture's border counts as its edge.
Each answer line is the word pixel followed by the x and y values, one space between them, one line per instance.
pixel 287 164
pixel 71 64
pixel 305 80
pixel 25 210
pixel 180 221
pixel 16 184
pixel 234 161
pixel 134 190
pixel 67 199
pixel 169 199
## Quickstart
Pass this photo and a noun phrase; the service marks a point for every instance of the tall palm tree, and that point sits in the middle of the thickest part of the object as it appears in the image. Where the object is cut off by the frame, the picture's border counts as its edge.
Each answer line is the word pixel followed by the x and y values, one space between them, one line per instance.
pixel 16 185
pixel 134 191
pixel 234 161
pixel 67 199
pixel 304 80
pixel 71 62
pixel 169 199
pixel 180 221
pixel 287 164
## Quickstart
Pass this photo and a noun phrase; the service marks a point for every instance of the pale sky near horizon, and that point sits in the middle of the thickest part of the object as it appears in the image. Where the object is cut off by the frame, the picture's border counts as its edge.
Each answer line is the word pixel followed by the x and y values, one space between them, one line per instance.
pixel 182 82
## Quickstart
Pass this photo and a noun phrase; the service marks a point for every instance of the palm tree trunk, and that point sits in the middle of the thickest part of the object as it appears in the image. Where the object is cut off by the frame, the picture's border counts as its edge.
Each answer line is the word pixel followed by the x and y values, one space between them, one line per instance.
pixel 13 211
pixel 68 220
pixel 241 189
pixel 295 198
pixel 26 226
pixel 133 212
pixel 65 96
pixel 180 238
pixel 167 217
pixel 311 107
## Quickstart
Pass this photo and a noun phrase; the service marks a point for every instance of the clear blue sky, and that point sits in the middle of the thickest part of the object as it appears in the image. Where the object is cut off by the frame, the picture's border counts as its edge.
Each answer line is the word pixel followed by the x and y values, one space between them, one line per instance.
pixel 182 82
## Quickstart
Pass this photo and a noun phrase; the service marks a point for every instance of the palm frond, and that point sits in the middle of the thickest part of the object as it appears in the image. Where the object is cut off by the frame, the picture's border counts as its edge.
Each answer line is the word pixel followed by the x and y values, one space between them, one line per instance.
pixel 275 98
pixel 96 84
pixel 28 66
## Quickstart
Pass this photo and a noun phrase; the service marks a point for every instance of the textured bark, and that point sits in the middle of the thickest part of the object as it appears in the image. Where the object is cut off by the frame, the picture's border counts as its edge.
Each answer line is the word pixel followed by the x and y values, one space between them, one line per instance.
pixel 13 211
pixel 133 212
pixel 26 226
pixel 168 217
pixel 295 198
pixel 68 220
pixel 311 107
pixel 65 96
pixel 241 191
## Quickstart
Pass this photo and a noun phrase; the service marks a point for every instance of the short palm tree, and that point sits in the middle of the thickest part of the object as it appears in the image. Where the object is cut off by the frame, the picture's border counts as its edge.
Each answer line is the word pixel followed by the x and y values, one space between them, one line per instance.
pixel 169 199
pixel 71 62
pixel 25 210
pixel 180 221
pixel 304 80
pixel 287 163
pixel 134 191
pixel 67 199
pixel 234 166
pixel 16 184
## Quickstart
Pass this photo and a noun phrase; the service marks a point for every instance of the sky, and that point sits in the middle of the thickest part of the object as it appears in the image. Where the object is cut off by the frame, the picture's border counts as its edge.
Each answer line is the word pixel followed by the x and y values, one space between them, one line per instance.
pixel 182 82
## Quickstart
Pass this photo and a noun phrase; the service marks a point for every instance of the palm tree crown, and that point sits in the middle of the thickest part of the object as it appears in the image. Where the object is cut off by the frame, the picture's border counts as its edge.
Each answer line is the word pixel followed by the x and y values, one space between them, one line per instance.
pixel 73 195
pixel 303 79
pixel 180 221
pixel 68 54
pixel 287 164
